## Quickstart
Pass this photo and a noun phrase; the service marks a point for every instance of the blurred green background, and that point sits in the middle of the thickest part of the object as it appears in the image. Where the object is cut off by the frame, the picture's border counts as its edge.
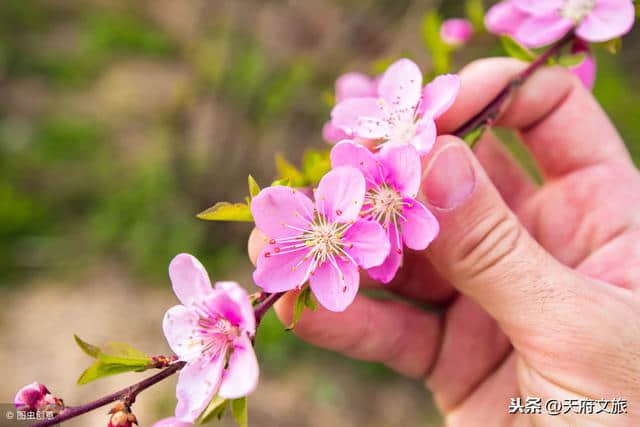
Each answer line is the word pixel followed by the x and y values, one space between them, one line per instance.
pixel 120 120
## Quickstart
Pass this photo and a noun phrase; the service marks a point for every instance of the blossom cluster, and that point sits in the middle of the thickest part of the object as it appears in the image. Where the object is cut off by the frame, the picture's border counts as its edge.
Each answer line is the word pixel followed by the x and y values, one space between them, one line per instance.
pixel 537 23
pixel 364 211
pixel 542 22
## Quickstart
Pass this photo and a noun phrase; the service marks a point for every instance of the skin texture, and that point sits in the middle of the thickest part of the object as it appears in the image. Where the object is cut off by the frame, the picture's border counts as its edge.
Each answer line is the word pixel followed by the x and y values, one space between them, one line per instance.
pixel 539 285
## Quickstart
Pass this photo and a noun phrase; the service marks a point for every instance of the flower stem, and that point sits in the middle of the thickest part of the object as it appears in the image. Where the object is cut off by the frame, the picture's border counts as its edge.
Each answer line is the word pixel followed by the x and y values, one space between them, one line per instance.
pixel 126 395
pixel 265 305
pixel 490 113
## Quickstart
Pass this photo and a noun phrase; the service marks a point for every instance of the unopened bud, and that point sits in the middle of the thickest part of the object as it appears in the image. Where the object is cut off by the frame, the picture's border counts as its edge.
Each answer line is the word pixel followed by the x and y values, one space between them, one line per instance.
pixel 456 31
pixel 36 397
pixel 120 416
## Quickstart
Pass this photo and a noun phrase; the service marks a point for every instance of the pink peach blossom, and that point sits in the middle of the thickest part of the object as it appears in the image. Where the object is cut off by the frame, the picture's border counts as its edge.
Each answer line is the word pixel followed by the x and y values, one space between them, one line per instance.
pixel 31 397
pixel 349 85
pixel 456 31
pixel 324 241
pixel 402 113
pixel 393 179
pixel 537 23
pixel 211 331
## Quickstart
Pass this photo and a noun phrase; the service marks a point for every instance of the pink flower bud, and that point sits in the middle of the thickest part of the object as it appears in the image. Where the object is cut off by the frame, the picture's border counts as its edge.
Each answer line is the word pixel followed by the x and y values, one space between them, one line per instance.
pixel 456 31
pixel 121 416
pixel 31 397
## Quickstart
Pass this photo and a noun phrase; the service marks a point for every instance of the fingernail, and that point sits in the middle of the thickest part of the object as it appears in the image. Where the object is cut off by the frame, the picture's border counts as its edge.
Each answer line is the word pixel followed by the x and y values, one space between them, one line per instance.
pixel 449 179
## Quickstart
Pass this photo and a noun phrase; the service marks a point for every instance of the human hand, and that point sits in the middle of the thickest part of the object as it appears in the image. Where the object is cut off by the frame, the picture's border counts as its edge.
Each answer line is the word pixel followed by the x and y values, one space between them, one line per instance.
pixel 539 285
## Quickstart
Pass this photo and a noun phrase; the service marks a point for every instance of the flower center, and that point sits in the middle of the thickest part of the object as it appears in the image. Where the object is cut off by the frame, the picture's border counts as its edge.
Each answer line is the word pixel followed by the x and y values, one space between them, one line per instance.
pixel 213 333
pixel 383 204
pixel 320 239
pixel 404 131
pixel 324 239
pixel 577 10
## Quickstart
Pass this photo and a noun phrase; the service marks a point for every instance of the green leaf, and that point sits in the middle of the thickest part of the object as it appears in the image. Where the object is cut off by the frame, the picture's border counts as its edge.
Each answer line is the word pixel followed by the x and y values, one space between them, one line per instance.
pixel 304 299
pixel 216 409
pixel 474 136
pixel 613 46
pixel 637 8
pixel 328 98
pixel 239 411
pixel 225 211
pixel 120 353
pixel 91 350
pixel 102 369
pixel 516 50
pixel 475 13
pixel 286 182
pixel 310 301
pixel 572 60
pixel 114 358
pixel 290 172
pixel 254 188
pixel 315 164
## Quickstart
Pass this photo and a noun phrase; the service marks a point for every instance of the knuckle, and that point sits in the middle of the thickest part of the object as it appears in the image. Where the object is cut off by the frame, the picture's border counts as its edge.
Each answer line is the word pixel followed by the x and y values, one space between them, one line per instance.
pixel 488 243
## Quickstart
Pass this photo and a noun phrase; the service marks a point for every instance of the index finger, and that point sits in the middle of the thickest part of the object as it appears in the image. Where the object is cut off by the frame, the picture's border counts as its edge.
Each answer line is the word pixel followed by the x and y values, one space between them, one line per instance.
pixel 559 120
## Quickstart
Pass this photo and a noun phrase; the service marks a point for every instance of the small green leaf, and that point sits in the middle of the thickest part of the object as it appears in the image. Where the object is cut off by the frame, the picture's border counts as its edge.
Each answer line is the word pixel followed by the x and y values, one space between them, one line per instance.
pixel 91 350
pixel 516 50
pixel 304 299
pixel 315 164
pixel 114 358
pixel 613 46
pixel 286 182
pixel 475 13
pixel 310 301
pixel 101 369
pixel 216 409
pixel 474 136
pixel 328 98
pixel 254 188
pixel 289 171
pixel 120 353
pixel 239 411
pixel 225 211
pixel 637 8
pixel 572 60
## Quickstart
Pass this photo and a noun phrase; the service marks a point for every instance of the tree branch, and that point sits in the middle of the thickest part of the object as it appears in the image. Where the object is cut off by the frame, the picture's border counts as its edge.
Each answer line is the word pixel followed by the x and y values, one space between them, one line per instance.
pixel 127 395
pixel 265 305
pixel 490 113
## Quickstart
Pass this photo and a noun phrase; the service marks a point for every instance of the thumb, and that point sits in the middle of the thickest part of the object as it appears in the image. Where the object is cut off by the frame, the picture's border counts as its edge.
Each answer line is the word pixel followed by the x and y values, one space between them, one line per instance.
pixel 483 250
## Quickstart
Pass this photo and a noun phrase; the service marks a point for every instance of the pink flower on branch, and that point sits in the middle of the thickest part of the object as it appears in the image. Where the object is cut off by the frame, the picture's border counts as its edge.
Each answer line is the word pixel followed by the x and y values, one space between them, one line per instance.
pixel 456 31
pixel 393 179
pixel 211 331
pixel 537 23
pixel 403 112
pixel 324 241
pixel 349 85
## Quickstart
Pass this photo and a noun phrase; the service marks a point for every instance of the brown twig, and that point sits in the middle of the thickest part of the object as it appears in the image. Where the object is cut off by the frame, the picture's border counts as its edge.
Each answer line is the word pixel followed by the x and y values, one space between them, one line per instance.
pixel 126 395
pixel 265 305
pixel 490 113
